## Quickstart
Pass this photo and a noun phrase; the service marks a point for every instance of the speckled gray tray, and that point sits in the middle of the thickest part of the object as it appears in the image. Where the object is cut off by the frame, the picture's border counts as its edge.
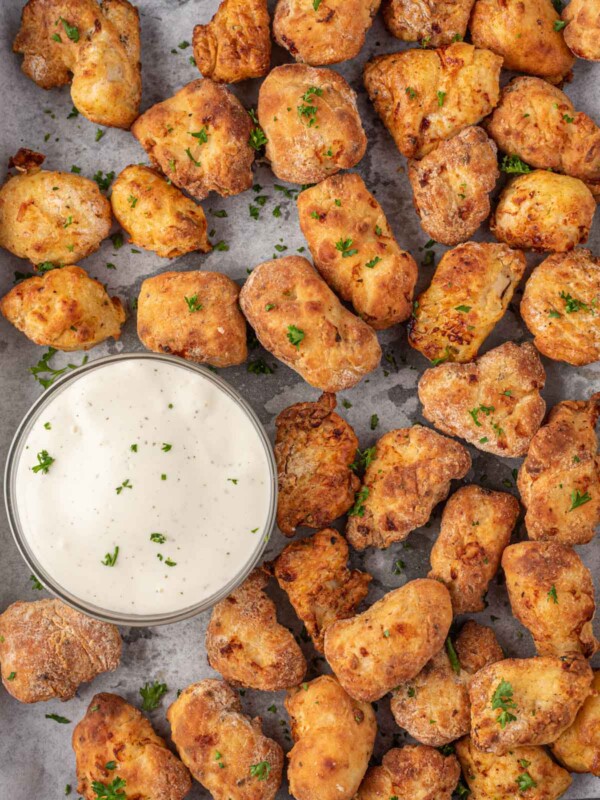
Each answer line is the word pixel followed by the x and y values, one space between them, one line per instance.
pixel 36 760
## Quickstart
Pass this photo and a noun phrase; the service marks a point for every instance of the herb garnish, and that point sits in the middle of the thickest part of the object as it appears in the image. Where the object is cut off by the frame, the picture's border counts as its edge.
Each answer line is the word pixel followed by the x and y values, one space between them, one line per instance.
pixel 45 461
pixel 572 305
pixel 58 718
pixel 110 792
pixel 525 781
pixel 261 770
pixel 295 335
pixel 344 246
pixel 71 30
pixel 578 499
pixel 125 485
pixel 373 262
pixel 358 509
pixel 110 559
pixel 305 109
pixel 503 699
pixel 513 164
pixel 193 304
pixel 35 584
pixel 452 656
pixel 152 694
pixel 559 25
pixel 552 595
pixel 474 412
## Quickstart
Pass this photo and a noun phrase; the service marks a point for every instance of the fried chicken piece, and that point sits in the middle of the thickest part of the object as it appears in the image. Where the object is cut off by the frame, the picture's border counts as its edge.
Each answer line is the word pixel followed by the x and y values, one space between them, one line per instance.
pixel 334 737
pixel 476 527
pixel 578 748
pixel 199 139
pixel 223 748
pixel 469 293
pixel 156 215
pixel 526 701
pixel 298 318
pixel 552 594
pixel 236 44
pixel 327 32
pixel 413 772
pixel 559 480
pixel 311 122
pixel 426 96
pixel 409 475
pixel 559 307
pixel 246 644
pixel 582 34
pixel 94 47
pixel 493 403
pixel 314 450
pixel 432 22
pixel 116 746
pixel 391 641
pixel 65 309
pixel 194 315
pixel 320 587
pixel 47 649
pixel 355 251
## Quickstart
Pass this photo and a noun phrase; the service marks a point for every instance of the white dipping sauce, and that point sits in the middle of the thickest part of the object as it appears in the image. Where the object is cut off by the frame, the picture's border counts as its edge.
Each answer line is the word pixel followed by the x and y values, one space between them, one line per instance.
pixel 144 447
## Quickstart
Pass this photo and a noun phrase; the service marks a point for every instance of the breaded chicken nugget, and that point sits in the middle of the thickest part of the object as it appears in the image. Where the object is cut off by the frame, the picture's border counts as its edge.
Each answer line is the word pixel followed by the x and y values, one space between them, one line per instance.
pixel 476 527
pixel 314 450
pixel 582 34
pixel 311 121
pixel 224 749
pixel 194 315
pixel 236 44
pixel 526 701
pixel 47 649
pixel 431 22
pixel 326 32
pixel 117 748
pixel 560 307
pixel 94 47
pixel 578 748
pixel 246 644
pixel 355 251
pixel 320 587
pixel 559 480
pixel 427 96
pixel 451 185
pixel 334 737
pixel 552 594
pixel 65 309
pixel 298 318
pixel 199 138
pixel 413 772
pixel 469 293
pixel 156 215
pixel 522 772
pixel 392 641
pixel 493 403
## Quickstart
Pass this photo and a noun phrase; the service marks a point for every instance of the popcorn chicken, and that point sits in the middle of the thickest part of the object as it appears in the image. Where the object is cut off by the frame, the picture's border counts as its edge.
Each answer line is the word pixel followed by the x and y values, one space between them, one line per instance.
pixel 578 748
pixel 582 34
pixel 432 22
pixel 413 772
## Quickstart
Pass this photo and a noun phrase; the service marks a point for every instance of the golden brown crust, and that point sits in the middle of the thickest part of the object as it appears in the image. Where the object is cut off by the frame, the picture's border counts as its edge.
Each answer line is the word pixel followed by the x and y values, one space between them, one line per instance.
pixel 114 732
pixel 559 480
pixel 311 121
pixel 432 22
pixel 408 476
pixel 476 646
pixel 392 641
pixel 194 315
pixel 287 295
pixel 427 96
pixel 578 748
pixel 413 772
pixel 50 649
pixel 355 251
pixel 479 276
pixel 334 737
pixel 582 34
pixel 199 139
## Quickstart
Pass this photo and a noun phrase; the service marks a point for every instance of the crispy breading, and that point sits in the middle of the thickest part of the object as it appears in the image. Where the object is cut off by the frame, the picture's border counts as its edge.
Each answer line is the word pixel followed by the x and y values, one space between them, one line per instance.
pixel 434 706
pixel 578 748
pixel 493 403
pixel 480 277
pixel 552 594
pixel 559 480
pixel 314 449
pixel 199 138
pixel 431 22
pixel 65 309
pixel 476 527
pixel 427 96
pixel 94 47
pixel 298 318
pixel 311 121
pixel 223 748
pixel 246 644
pixel 156 215
pixel 582 34
pixel 523 771
pixel 526 701
pixel 408 476
pixel 413 772
pixel 320 587
pixel 559 307
pixel 326 32
pixel 451 185
pixel 236 44
pixel 391 641
pixel 334 737
pixel 194 315
pixel 115 742
pixel 49 649
pixel 355 251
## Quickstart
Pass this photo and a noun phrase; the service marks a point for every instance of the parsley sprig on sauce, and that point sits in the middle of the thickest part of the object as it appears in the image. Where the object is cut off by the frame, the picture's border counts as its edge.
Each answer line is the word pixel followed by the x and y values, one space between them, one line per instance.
pixel 152 694
pixel 45 461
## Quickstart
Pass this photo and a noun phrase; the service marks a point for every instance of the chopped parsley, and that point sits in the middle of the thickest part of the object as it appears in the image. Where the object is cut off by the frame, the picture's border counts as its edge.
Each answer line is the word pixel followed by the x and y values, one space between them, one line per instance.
pixel 358 509
pixel 452 656
pixel 35 584
pixel 514 165
pixel 316 4
pixel 159 538
pixel 559 25
pixel 152 694
pixel 125 485
pixel 99 134
pixel 344 246
pixel 201 135
pixel 193 304
pixel 110 765
pixel 474 412
pixel 132 200
pixel 72 31
pixel 166 447
pixel 398 567
pixel 306 109
pixel 261 770
pixel 568 119
pixel 578 499
pixel 411 92
pixel 58 718
pixel 110 559
pixel 191 158
pixel 363 458
pixel 117 240
pixel 374 421
pixel 525 781
pixel 112 791
pixel 441 96
pixel 502 699
pixel 259 367
pixel 552 595
pixel 295 335
pixel 257 138
pixel 464 309
pixel 572 306
pixel 45 461
pixel 373 262
pixel 12 676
